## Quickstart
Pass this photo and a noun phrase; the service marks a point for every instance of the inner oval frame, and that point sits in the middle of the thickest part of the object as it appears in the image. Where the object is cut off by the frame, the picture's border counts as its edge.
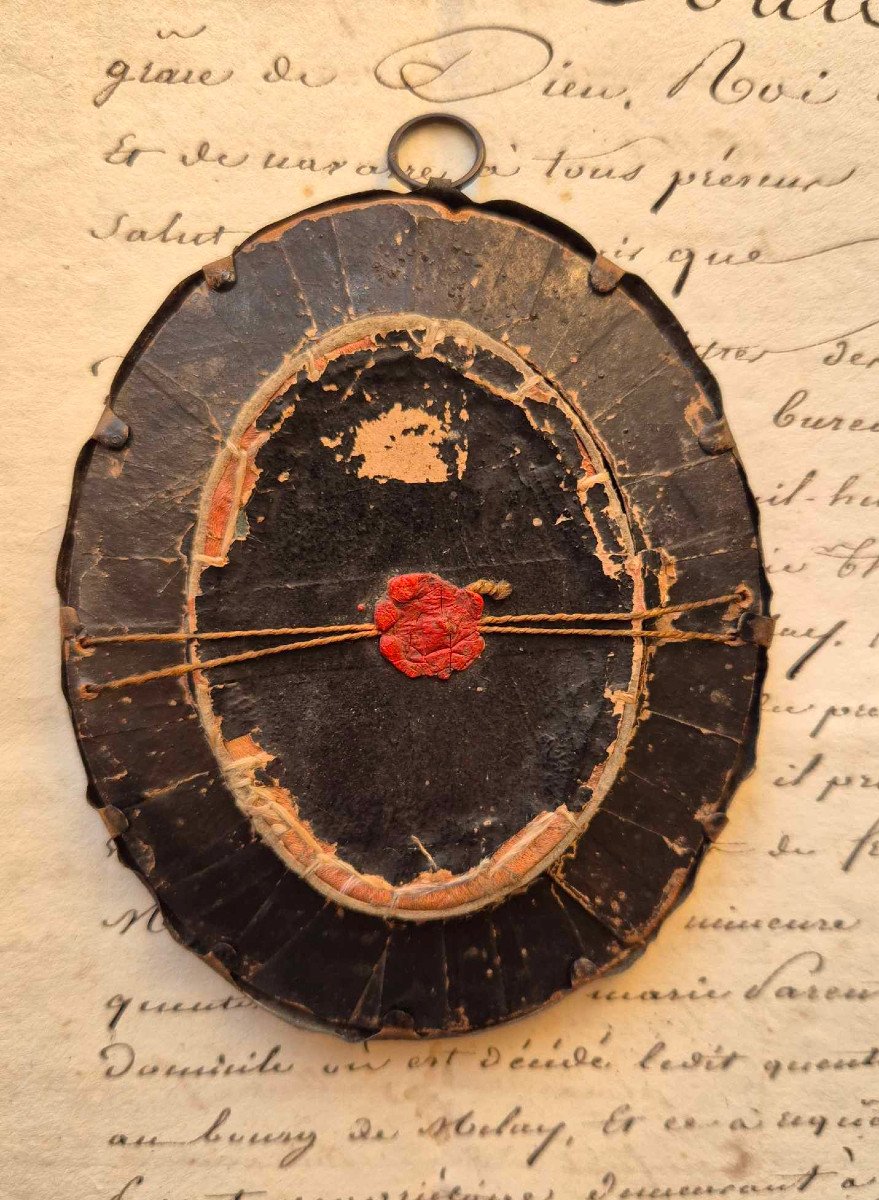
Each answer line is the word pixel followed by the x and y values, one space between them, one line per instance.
pixel 434 895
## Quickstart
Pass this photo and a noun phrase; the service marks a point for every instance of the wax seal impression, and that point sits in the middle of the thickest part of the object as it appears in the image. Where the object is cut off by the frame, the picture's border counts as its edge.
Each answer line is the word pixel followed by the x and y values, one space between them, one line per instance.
pixel 428 626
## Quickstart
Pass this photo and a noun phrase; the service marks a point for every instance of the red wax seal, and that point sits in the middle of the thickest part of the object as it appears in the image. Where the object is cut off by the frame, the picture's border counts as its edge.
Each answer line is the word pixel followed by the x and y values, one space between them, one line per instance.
pixel 428 626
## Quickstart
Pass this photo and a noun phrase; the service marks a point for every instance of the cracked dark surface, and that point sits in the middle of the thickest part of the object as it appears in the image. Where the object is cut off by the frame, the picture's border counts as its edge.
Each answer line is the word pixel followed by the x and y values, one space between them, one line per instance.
pixel 373 757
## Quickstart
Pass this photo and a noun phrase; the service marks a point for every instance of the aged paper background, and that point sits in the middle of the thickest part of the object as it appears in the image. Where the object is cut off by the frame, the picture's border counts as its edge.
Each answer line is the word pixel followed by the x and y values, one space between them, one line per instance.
pixel 724 150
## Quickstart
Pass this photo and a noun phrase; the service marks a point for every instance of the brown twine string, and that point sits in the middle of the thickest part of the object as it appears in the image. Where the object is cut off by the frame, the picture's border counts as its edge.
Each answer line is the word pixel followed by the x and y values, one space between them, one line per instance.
pixel 179 636
pixel 95 689
pixel 643 615
pixel 670 635
pixel 352 633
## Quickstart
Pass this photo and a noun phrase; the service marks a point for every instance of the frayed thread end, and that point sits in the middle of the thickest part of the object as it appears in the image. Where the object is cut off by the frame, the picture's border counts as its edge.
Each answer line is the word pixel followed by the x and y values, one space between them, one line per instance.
pixel 496 589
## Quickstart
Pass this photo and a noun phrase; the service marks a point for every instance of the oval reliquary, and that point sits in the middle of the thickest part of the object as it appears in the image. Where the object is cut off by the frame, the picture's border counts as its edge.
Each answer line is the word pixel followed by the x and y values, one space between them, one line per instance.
pixel 414 614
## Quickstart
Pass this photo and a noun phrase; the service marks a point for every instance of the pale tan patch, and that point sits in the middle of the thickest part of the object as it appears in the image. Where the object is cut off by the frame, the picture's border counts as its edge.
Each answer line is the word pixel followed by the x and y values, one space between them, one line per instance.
pixel 404 444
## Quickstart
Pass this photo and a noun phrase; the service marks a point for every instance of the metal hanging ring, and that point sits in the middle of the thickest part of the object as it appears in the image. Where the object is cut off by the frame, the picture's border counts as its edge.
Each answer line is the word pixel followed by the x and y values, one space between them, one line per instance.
pixel 436 118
